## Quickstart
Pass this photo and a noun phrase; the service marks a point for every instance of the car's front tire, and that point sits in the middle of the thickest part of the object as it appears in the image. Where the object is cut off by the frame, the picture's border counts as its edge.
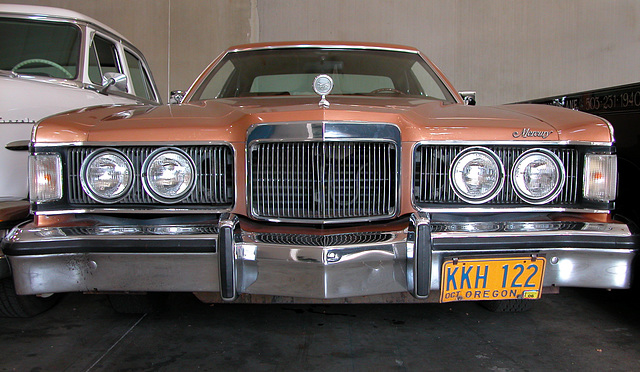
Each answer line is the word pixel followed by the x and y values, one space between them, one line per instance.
pixel 13 305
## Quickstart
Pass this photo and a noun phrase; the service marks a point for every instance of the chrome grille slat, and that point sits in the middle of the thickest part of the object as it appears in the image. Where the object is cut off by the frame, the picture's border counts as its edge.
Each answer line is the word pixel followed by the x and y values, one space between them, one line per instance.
pixel 431 175
pixel 214 176
pixel 323 180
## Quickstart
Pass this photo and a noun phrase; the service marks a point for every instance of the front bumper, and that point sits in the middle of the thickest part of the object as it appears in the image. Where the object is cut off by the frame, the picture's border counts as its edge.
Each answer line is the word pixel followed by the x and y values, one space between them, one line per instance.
pixel 236 256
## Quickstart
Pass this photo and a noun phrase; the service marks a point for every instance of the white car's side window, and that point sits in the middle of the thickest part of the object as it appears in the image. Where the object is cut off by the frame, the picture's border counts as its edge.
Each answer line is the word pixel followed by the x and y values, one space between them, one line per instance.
pixel 103 57
pixel 139 76
pixel 39 48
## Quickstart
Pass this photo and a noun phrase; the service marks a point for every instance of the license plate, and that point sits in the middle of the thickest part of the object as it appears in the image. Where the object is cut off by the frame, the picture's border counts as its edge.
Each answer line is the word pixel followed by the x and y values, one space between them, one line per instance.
pixel 475 279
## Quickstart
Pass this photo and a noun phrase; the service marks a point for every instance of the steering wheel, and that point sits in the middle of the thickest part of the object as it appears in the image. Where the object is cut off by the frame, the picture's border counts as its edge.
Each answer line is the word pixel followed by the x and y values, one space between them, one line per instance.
pixel 389 90
pixel 66 73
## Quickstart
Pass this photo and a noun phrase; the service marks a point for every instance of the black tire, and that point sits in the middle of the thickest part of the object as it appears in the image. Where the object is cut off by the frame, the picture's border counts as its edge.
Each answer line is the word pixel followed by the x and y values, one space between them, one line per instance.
pixel 136 303
pixel 508 306
pixel 13 305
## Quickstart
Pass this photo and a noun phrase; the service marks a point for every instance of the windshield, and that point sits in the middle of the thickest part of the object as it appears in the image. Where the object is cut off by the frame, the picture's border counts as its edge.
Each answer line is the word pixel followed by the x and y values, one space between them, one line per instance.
pixel 274 72
pixel 39 48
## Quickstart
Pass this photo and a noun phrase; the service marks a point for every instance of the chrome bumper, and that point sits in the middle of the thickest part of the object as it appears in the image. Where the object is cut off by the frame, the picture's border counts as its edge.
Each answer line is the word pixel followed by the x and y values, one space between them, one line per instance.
pixel 223 257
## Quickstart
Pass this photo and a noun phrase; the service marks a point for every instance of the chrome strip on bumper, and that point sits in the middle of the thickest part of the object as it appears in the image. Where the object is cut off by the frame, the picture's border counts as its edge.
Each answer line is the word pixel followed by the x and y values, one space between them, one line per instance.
pixel 408 259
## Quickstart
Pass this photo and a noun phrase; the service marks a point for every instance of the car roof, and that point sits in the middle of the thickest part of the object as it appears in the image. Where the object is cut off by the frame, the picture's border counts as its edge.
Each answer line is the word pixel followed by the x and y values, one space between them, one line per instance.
pixel 51 12
pixel 322 44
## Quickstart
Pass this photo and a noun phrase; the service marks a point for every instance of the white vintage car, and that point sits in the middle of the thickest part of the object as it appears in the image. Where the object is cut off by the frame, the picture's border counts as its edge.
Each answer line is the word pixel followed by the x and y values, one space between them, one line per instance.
pixel 54 60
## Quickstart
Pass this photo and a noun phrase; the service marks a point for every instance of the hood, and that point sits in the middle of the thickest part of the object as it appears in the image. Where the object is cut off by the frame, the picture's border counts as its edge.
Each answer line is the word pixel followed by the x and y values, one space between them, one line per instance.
pixel 229 120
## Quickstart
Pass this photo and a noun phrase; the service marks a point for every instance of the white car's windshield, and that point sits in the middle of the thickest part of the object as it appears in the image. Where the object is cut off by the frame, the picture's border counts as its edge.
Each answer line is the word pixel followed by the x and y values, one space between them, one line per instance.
pixel 291 72
pixel 40 48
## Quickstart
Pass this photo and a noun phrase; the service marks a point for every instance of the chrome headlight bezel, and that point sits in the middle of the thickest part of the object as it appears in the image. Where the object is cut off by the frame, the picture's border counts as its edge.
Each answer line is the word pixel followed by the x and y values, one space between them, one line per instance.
pixel 519 183
pixel 89 187
pixel 456 174
pixel 151 188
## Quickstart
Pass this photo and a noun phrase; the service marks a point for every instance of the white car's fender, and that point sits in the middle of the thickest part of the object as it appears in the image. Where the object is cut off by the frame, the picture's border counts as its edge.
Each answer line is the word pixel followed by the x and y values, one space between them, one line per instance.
pixel 23 102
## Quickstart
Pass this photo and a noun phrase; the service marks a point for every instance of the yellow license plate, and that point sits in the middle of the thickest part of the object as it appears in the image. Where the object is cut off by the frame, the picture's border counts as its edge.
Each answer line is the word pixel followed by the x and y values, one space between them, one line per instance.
pixel 476 279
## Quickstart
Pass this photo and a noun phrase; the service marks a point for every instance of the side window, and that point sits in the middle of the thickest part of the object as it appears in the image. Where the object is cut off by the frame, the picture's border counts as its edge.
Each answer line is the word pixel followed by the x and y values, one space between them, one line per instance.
pixel 139 78
pixel 103 57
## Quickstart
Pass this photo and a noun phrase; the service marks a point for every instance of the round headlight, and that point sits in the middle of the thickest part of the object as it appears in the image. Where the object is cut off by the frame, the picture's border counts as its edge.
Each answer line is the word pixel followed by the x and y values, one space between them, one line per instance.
pixel 537 176
pixel 477 175
pixel 168 175
pixel 107 175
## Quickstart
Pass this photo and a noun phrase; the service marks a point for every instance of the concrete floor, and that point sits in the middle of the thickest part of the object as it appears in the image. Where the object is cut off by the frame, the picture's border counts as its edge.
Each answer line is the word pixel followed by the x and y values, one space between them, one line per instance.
pixel 576 330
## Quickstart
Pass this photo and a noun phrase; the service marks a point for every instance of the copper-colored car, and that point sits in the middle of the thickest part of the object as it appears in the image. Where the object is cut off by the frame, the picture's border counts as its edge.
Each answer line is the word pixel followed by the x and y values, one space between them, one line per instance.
pixel 322 172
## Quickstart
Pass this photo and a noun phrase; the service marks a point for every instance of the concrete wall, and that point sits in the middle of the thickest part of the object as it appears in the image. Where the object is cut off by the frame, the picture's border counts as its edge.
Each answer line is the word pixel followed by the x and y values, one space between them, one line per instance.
pixel 506 50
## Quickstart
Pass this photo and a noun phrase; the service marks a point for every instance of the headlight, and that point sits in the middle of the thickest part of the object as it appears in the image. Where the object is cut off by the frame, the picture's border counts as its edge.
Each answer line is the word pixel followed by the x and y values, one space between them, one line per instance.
pixel 477 175
pixel 600 177
pixel 168 175
pixel 107 176
pixel 537 176
pixel 45 175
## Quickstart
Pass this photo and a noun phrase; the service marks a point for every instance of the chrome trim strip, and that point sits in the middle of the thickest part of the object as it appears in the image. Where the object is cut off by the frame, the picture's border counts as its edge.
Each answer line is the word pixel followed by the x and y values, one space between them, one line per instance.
pixel 462 230
pixel 206 211
pixel 458 230
pixel 130 210
pixel 488 209
pixel 323 46
pixel 323 130
pixel 131 143
pixel 414 144
pixel 122 232
pixel 514 143
pixel 611 130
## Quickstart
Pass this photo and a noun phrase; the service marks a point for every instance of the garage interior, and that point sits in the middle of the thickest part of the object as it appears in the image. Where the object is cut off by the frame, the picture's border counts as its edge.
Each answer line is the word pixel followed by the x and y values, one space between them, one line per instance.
pixel 505 51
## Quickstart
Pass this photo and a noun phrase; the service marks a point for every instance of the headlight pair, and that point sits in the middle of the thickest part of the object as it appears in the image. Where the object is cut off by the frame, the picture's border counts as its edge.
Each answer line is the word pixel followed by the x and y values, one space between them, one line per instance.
pixel 168 175
pixel 477 175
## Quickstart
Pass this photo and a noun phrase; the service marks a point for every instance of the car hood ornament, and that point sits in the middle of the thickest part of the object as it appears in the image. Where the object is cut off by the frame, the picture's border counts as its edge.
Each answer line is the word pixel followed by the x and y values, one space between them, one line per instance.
pixel 322 85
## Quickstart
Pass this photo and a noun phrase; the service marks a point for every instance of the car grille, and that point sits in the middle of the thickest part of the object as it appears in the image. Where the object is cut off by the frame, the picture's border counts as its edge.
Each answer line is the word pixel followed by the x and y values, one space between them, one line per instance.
pixel 323 240
pixel 213 187
pixel 323 180
pixel 432 185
